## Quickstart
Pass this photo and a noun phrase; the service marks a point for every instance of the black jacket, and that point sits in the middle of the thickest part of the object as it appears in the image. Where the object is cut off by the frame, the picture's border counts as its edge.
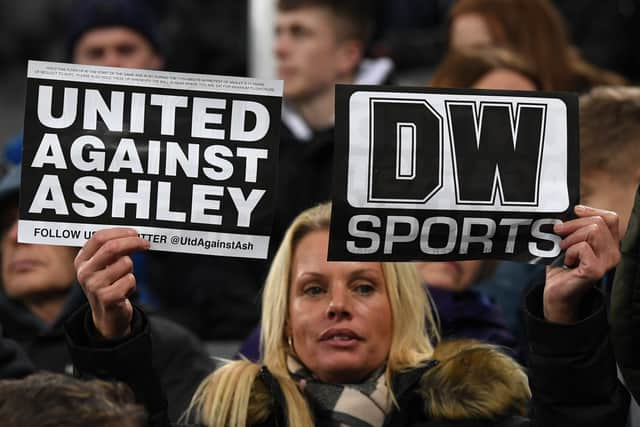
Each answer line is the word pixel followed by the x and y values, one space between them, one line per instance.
pixel 180 359
pixel 14 363
pixel 572 373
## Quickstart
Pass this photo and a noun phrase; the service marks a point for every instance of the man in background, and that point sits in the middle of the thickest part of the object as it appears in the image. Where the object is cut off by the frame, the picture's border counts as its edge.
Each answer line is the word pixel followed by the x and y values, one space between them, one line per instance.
pixel 609 149
pixel 609 178
pixel 115 33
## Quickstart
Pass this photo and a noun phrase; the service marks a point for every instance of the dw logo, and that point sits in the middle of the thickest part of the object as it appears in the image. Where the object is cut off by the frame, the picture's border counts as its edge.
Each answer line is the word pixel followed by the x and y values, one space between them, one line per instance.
pixel 443 152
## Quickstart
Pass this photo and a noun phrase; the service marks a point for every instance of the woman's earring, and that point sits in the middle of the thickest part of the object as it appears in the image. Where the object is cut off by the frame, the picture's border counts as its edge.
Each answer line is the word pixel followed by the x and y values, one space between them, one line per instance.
pixel 290 342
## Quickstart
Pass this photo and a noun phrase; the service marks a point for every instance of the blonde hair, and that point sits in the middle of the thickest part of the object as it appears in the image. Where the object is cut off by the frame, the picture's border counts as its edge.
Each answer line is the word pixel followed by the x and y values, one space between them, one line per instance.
pixel 225 397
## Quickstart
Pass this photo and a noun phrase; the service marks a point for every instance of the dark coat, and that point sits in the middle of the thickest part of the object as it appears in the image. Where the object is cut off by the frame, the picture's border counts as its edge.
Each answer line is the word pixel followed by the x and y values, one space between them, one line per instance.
pixel 572 374
pixel 14 363
pixel 625 305
pixel 180 359
pixel 410 411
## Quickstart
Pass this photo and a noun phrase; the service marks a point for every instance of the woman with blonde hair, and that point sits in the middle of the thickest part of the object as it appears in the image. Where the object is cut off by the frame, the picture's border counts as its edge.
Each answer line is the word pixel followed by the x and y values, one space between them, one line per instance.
pixel 351 343
pixel 535 30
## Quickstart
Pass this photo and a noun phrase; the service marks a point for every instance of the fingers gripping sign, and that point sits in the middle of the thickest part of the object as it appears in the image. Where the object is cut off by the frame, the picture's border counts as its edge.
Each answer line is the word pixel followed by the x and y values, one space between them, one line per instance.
pixel 105 272
pixel 591 242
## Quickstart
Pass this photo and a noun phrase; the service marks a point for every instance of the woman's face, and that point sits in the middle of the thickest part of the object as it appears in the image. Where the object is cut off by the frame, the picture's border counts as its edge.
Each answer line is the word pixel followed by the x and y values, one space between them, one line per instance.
pixel 469 30
pixel 455 276
pixel 339 313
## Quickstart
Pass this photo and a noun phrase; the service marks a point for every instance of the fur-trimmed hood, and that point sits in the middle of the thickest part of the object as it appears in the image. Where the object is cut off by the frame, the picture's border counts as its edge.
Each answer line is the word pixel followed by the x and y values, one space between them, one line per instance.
pixel 473 380
pixel 469 380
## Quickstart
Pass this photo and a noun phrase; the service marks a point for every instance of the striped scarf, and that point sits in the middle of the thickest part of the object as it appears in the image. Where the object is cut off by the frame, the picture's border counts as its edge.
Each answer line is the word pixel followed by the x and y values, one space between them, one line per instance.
pixel 344 405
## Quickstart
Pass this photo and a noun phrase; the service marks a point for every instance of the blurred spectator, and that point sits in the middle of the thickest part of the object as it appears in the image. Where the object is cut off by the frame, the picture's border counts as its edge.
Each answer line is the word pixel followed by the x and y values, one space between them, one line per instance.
pixel 38 293
pixel 48 399
pixel 533 29
pixel 609 152
pixel 465 312
pixel 195 35
pixel 114 33
pixel 610 175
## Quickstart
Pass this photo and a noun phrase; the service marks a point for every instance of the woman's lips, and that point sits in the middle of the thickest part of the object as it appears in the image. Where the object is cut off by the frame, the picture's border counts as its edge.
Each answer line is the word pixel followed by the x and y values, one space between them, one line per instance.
pixel 339 334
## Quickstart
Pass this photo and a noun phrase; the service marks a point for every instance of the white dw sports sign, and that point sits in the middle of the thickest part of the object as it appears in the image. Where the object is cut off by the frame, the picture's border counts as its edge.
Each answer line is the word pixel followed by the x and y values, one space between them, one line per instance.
pixel 452 174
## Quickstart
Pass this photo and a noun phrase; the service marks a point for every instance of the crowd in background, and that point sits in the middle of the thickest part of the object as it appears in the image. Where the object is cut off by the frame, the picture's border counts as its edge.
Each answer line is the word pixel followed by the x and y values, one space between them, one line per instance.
pixel 605 32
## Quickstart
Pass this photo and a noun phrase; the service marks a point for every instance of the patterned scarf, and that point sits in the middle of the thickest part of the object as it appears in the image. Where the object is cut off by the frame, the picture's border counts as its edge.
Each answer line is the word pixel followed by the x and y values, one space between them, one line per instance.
pixel 344 405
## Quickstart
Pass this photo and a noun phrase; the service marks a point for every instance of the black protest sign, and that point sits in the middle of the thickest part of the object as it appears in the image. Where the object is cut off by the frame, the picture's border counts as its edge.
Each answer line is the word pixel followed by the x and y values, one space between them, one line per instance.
pixel 188 160
pixel 433 174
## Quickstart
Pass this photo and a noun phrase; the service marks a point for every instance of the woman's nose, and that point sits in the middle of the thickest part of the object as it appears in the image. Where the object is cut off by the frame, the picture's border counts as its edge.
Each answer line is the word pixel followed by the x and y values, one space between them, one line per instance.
pixel 339 305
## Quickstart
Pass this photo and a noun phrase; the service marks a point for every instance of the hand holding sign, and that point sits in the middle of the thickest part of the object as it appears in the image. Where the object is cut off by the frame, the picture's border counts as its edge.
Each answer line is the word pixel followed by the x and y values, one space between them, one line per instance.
pixel 104 271
pixel 591 242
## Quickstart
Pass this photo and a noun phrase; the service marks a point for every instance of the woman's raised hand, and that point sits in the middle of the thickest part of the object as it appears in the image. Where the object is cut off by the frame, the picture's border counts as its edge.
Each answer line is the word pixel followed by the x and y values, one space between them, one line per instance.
pixel 105 272
pixel 592 246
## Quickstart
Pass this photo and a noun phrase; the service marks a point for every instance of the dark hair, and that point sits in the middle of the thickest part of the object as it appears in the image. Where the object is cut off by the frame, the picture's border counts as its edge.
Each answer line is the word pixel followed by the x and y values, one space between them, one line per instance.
pixel 356 16
pixel 86 15
pixel 462 68
pixel 48 399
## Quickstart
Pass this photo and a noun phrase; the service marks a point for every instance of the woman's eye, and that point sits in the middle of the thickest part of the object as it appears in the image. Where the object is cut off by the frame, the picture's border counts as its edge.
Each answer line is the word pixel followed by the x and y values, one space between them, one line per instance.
pixel 365 289
pixel 313 290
